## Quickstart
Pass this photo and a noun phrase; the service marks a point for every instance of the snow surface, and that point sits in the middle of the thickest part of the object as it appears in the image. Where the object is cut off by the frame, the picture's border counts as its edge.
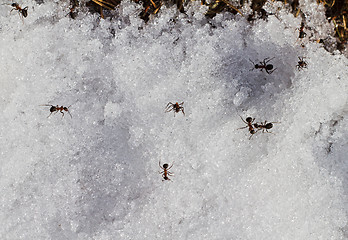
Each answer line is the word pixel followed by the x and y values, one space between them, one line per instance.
pixel 95 175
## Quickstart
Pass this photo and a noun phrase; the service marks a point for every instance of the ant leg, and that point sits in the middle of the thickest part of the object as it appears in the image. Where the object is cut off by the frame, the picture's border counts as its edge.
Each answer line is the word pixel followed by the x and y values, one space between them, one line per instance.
pixel 268 59
pixel 21 17
pixel 51 113
pixel 171 166
pixel 170 103
pixel 242 127
pixel 183 111
pixel 269 72
pixel 170 108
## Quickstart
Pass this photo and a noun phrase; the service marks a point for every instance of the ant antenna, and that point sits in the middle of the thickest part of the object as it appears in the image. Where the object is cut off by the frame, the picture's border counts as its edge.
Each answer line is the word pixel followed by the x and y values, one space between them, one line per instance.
pixel 69 111
pixel 253 65
pixel 242 119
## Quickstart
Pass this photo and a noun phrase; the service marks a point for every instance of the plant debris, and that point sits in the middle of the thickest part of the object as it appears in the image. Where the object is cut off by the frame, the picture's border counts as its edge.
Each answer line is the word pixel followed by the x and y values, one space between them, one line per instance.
pixel 336 12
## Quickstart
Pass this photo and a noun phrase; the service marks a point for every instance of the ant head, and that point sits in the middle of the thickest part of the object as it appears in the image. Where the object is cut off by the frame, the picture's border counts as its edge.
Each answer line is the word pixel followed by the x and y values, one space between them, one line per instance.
pixel 165 178
pixel 248 119
pixel 14 4
pixel 269 67
pixel 53 109
pixel 269 126
pixel 256 125
pixel 165 165
pixel 65 109
pixel 252 131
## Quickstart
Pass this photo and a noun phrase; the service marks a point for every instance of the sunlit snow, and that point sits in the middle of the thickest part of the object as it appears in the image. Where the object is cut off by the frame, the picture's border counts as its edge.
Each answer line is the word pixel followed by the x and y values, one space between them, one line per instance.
pixel 96 175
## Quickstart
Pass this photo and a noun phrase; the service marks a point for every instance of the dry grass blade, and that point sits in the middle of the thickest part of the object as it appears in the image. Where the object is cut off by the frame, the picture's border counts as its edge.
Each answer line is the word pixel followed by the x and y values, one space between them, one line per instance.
pixel 153 3
pixel 233 7
pixel 326 3
pixel 106 4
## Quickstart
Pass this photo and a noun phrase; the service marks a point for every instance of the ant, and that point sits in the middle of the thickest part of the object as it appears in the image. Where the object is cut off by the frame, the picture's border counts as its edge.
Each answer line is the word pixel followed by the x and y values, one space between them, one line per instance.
pixel 57 108
pixel 165 173
pixel 249 121
pixel 301 64
pixel 301 33
pixel 73 12
pixel 264 126
pixel 176 107
pixel 264 65
pixel 23 11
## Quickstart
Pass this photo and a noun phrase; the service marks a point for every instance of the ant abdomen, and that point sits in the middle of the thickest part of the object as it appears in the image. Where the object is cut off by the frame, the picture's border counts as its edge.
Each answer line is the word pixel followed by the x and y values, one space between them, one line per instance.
pixel 269 67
